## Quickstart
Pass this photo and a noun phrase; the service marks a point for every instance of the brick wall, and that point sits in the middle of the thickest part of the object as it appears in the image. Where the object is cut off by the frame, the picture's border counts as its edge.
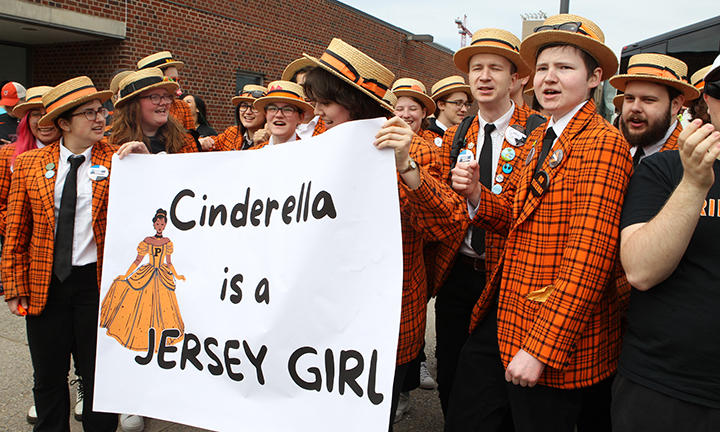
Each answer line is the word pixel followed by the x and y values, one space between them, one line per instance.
pixel 216 38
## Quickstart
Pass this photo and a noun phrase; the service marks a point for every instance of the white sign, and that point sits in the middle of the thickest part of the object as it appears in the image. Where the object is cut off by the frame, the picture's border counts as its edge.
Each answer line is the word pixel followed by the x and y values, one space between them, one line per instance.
pixel 268 298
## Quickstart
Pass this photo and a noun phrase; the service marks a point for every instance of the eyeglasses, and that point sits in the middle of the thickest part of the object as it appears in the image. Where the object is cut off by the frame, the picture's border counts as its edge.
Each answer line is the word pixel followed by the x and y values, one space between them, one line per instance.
pixel 573 26
pixel 459 104
pixel 91 114
pixel 254 93
pixel 157 99
pixel 286 110
pixel 246 106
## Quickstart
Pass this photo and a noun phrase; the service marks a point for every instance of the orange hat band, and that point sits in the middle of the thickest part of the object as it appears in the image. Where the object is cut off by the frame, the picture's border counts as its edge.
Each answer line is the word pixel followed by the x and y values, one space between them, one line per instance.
pixel 453 84
pixel 284 93
pixel 141 84
pixel 339 65
pixel 70 96
pixel 31 99
pixel 654 70
pixel 499 43
pixel 409 87
pixel 700 84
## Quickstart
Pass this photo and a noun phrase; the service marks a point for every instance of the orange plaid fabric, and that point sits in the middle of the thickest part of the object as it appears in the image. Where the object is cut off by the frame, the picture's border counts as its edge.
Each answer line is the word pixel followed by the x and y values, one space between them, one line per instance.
pixel 27 257
pixel 230 139
pixel 190 145
pixel 558 294
pixel 181 111
pixel 6 153
pixel 319 127
pixel 442 254
pixel 671 143
pixel 414 238
pixel 429 136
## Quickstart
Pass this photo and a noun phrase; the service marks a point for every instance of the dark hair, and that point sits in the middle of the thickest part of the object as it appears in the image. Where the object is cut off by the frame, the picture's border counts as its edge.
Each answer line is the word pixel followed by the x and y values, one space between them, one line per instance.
pixel 160 214
pixel 201 107
pixel 673 92
pixel 699 109
pixel 301 71
pixel 590 63
pixel 320 85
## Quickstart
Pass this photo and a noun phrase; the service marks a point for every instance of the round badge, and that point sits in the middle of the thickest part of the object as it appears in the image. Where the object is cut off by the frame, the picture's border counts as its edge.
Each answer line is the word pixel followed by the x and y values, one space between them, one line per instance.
pixel 507 168
pixel 50 166
pixel 465 156
pixel 471 145
pixel 499 178
pixel 508 154
pixel 98 172
pixel 530 156
pixel 496 189
pixel 438 141
pixel 556 158
pixel 49 174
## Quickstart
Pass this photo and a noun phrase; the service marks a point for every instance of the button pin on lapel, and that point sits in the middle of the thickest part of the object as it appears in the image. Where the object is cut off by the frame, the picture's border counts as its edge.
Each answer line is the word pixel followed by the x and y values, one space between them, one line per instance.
pixel 471 145
pixel 556 158
pixel 438 141
pixel 49 174
pixel 50 166
pixel 98 172
pixel 507 154
pixel 507 168
pixel 530 156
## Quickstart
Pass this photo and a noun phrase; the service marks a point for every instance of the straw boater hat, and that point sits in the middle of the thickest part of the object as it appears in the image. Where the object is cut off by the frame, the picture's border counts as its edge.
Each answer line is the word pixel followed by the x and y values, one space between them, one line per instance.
pixel 68 95
pixel 658 69
pixel 587 36
pixel 33 100
pixel 295 66
pixel 492 41
pixel 357 69
pixel 284 91
pixel 162 59
pixel 142 80
pixel 698 78
pixel 414 89
pixel 249 93
pixel 115 82
pixel 449 85
pixel 390 98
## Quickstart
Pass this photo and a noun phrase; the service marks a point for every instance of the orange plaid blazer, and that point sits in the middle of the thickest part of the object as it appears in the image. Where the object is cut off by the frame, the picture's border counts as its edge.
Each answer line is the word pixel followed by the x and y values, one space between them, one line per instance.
pixel 414 238
pixel 671 143
pixel 27 256
pixel 319 127
pixel 441 255
pixel 230 139
pixel 190 146
pixel 181 111
pixel 6 153
pixel 558 297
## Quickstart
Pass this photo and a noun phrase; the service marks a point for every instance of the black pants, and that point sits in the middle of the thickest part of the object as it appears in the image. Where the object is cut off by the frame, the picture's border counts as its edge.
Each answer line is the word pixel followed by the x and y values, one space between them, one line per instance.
pixel 637 408
pixel 68 321
pixel 453 309
pixel 479 399
pixel 398 382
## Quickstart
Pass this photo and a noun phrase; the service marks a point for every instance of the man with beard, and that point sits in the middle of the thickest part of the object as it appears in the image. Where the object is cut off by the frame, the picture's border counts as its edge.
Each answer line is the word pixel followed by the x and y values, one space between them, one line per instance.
pixel 655 88
pixel 668 379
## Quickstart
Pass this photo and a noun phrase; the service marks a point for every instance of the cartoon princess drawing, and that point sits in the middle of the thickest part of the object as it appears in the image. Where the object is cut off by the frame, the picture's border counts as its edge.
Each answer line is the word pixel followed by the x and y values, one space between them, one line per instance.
pixel 145 299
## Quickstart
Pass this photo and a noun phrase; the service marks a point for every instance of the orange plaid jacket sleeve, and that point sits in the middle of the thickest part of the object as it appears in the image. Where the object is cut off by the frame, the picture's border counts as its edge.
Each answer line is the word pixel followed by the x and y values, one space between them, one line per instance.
pixel 6 153
pixel 189 146
pixel 558 296
pixel 27 256
pixel 181 111
pixel 671 143
pixel 230 139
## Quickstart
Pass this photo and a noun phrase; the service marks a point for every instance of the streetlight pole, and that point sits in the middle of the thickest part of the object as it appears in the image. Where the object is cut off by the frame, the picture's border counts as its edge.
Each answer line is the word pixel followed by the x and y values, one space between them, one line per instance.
pixel 564 6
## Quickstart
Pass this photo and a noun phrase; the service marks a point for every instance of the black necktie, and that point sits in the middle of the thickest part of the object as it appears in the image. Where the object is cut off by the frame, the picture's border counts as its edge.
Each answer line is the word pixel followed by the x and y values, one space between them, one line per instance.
pixel 62 256
pixel 477 240
pixel 547 143
pixel 639 153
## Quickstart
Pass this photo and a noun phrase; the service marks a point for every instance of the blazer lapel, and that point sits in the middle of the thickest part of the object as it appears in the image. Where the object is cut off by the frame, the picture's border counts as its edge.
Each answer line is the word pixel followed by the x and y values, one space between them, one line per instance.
pixel 46 183
pixel 555 160
pixel 101 155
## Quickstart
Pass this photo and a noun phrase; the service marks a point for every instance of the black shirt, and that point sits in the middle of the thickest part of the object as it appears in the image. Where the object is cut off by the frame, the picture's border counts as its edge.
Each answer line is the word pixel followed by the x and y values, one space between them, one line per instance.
pixel 672 341
pixel 8 127
pixel 205 130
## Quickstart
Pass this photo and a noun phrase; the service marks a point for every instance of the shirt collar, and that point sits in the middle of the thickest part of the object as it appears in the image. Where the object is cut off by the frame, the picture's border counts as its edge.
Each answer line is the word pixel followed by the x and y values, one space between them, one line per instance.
pixel 500 124
pixel 560 124
pixel 654 148
pixel 309 125
pixel 65 153
pixel 440 125
pixel 272 140
pixel 39 143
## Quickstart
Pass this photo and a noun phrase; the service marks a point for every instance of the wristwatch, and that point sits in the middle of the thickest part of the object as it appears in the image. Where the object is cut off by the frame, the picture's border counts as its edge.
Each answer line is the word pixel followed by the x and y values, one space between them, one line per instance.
pixel 411 166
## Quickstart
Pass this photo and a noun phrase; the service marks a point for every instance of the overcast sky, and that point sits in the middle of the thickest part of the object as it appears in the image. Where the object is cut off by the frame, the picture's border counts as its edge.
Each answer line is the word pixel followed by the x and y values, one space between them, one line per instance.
pixel 623 21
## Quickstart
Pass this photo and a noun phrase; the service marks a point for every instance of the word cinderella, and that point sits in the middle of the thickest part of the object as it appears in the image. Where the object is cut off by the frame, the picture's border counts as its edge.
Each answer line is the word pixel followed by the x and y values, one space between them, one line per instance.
pixel 301 207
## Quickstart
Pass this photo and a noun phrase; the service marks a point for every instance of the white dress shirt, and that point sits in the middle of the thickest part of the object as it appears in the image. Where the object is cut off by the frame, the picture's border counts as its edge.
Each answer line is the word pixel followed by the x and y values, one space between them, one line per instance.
pixel 84 247
pixel 305 130
pixel 560 124
pixel 497 136
pixel 440 125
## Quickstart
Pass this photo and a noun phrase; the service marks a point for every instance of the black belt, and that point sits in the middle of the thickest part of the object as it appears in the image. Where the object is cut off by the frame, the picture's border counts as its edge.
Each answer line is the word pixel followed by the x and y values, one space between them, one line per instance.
pixel 477 264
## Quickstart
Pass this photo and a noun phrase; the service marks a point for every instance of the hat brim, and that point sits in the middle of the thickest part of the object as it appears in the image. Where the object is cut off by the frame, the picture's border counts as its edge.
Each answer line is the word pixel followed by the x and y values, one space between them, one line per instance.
pixel 21 109
pixel 599 51
pixel 382 103
pixel 424 99
pixel 463 88
pixel 49 118
pixel 177 63
pixel 295 66
pixel 261 103
pixel 618 102
pixel 463 55
pixel 236 100
pixel 170 86
pixel 620 82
